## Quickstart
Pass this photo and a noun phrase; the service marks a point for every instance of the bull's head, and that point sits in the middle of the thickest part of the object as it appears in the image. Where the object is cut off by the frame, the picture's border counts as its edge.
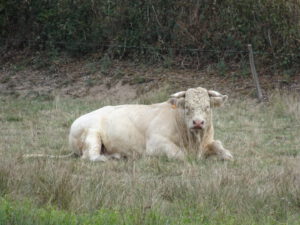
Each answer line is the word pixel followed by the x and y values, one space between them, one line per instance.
pixel 196 104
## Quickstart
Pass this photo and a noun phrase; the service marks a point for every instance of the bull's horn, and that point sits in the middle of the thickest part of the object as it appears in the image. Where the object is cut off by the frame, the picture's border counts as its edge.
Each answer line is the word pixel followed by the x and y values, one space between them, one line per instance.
pixel 212 93
pixel 178 94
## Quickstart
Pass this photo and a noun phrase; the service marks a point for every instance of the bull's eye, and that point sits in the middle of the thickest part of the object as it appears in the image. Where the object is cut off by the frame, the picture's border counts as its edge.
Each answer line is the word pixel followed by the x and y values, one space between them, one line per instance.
pixel 187 110
pixel 207 108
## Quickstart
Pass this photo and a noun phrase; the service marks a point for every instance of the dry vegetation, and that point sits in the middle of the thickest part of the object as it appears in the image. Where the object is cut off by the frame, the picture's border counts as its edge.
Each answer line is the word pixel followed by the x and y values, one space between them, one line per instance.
pixel 261 186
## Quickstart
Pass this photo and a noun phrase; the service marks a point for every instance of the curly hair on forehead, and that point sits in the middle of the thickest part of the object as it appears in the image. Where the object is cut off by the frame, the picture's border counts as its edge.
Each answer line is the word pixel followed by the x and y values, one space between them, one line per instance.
pixel 195 96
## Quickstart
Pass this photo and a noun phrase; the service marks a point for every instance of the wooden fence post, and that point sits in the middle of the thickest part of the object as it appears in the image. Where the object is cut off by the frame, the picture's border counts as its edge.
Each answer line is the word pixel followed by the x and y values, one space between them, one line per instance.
pixel 254 74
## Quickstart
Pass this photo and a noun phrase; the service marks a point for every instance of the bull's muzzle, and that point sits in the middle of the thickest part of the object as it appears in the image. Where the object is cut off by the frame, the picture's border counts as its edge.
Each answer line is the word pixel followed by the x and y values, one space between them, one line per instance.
pixel 198 124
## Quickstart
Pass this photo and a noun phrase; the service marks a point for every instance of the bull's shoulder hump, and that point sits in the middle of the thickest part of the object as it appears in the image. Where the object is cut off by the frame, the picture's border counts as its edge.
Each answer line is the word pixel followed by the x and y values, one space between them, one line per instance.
pixel 162 104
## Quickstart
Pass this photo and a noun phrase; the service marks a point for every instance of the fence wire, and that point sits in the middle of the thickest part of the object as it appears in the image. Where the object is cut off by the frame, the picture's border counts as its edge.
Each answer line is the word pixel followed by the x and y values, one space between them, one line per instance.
pixel 108 45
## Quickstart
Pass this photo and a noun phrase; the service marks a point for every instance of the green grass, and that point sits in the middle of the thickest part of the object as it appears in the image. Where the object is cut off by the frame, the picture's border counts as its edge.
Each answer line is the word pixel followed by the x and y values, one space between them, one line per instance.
pixel 24 213
pixel 261 186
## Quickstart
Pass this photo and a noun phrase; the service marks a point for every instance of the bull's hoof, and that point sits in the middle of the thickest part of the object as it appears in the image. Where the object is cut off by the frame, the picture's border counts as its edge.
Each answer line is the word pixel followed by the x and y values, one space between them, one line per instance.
pixel 115 156
pixel 227 156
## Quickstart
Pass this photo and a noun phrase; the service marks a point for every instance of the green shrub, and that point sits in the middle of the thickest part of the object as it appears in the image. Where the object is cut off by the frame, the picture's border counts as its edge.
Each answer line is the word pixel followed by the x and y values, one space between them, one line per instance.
pixel 153 29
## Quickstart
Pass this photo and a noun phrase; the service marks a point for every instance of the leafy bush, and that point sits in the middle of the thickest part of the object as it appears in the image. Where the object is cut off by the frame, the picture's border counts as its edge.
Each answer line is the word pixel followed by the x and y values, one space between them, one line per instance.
pixel 153 29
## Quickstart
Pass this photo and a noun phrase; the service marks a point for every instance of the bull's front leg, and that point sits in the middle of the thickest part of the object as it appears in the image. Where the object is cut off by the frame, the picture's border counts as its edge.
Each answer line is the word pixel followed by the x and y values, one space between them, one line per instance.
pixel 216 148
pixel 159 145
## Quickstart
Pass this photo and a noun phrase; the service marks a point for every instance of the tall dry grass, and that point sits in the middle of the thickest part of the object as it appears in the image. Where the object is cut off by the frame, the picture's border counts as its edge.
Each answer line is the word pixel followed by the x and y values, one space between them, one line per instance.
pixel 261 186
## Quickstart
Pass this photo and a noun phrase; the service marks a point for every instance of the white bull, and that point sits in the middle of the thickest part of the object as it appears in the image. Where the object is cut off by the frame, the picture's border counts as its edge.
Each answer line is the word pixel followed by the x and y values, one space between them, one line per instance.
pixel 168 128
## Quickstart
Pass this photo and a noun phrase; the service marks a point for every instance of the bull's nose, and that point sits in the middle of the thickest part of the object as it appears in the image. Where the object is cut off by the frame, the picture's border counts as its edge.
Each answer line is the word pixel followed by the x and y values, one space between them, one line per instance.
pixel 198 124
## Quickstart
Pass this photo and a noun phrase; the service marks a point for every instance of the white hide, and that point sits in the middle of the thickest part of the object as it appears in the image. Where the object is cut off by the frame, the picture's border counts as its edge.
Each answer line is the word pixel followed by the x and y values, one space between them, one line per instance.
pixel 114 131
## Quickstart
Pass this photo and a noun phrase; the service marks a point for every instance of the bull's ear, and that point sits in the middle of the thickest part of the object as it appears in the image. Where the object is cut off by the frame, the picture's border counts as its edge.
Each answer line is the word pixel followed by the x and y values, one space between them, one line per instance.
pixel 180 94
pixel 177 102
pixel 216 98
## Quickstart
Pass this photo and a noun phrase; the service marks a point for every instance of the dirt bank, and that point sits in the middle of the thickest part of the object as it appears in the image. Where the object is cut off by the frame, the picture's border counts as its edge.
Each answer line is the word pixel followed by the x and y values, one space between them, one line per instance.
pixel 31 76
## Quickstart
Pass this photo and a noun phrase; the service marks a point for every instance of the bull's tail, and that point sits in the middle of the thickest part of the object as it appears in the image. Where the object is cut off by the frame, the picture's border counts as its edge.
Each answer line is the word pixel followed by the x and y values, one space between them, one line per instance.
pixel 28 156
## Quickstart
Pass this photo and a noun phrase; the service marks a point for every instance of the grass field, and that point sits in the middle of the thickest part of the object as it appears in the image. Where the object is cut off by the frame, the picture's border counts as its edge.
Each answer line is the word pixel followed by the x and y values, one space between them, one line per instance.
pixel 261 186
